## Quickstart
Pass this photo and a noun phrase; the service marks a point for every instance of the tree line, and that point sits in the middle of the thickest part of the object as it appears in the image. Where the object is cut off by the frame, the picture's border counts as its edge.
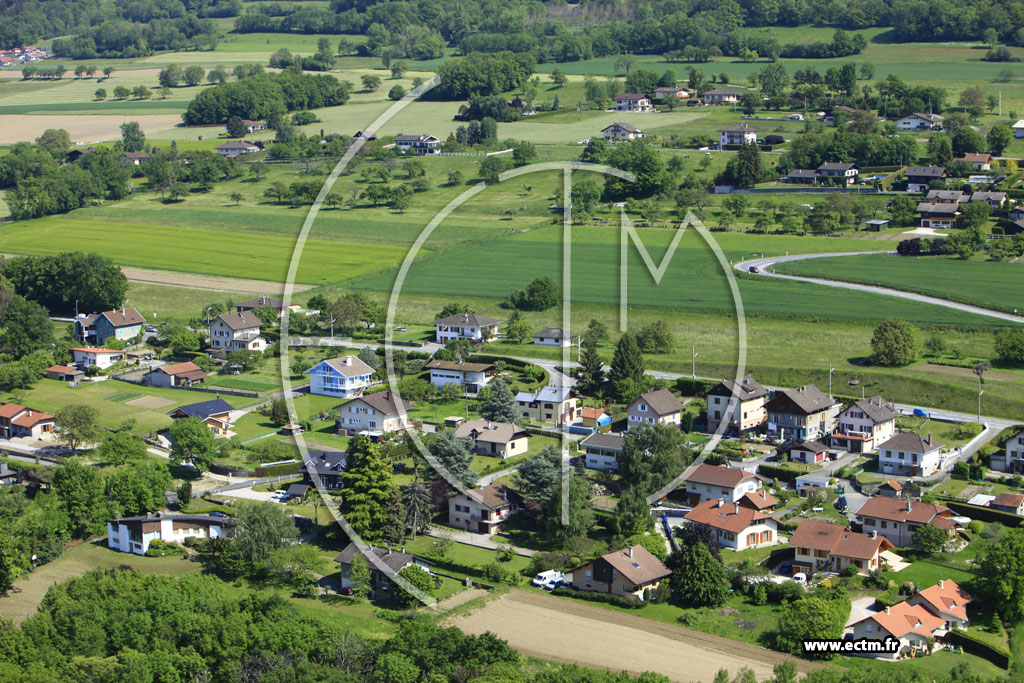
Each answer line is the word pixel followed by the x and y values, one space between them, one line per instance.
pixel 265 94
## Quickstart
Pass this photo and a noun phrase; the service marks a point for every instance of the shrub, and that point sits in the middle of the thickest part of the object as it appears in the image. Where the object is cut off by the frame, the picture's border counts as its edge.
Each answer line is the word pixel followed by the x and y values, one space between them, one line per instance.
pixel 849 570
pixel 976 526
pixel 607 598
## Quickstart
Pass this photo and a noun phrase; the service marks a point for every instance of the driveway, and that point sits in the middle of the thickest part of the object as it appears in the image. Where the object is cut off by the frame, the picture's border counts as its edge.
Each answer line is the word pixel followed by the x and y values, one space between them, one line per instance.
pixel 248 493
pixel 476 540
pixel 859 609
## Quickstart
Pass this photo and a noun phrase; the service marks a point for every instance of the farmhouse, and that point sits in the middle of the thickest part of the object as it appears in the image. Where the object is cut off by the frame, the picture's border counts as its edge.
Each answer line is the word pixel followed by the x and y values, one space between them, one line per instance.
pixel 737 135
pixel 134 534
pixel 735 526
pixel 864 425
pixel 746 412
pixel 215 414
pixel 714 482
pixel 943 216
pixel 920 177
pixel 909 454
pixel 1008 502
pixel 633 102
pixel 551 404
pixel 897 519
pixel 821 546
pixel 946 600
pixel 841 173
pixel 808 452
pixel 654 407
pixel 919 121
pixel 418 144
pixel 627 573
pixel 602 451
pixel 804 413
pixel 327 464
pixel 382 588
pixel 947 197
pixel 173 375
pixel 475 328
pixel 90 356
pixel 344 377
pixel 1011 458
pixel 236 332
pixel 720 96
pixel 17 420
pixel 979 161
pixel 371 414
pixel 236 147
pixel 485 511
pixel 553 336
pixel 912 625
pixel 622 131
pixel 122 324
pixel 500 439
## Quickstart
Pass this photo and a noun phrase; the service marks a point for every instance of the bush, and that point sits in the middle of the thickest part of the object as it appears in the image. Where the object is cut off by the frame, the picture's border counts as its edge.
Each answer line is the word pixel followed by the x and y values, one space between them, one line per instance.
pixel 888 598
pixel 158 548
pixel 849 571
pixel 976 526
pixel 606 598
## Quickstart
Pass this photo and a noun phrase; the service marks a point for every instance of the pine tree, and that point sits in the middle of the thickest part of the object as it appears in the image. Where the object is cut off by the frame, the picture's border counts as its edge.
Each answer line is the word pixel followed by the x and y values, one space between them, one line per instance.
pixel 454 457
pixel 628 362
pixel 591 373
pixel 416 498
pixel 367 480
pixel 394 529
pixel 500 405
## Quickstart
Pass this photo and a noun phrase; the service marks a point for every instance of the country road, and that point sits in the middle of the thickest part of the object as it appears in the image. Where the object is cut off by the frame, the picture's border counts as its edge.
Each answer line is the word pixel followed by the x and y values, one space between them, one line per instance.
pixel 764 266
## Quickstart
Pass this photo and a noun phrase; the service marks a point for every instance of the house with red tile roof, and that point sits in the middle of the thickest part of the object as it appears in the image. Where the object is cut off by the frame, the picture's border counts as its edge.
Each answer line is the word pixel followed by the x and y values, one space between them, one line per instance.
pixel 735 526
pixel 946 600
pixel 628 572
pixel 711 482
pixel 17 420
pixel 912 625
pixel 175 375
pixel 821 546
pixel 897 519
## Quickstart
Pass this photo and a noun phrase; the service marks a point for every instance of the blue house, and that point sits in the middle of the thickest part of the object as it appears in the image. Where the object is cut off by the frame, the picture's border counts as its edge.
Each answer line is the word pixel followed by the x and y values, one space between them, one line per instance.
pixel 343 377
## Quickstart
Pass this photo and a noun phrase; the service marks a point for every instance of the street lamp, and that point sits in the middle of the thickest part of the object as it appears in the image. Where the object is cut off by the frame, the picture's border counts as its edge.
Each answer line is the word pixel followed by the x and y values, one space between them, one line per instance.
pixel 830 371
pixel 693 362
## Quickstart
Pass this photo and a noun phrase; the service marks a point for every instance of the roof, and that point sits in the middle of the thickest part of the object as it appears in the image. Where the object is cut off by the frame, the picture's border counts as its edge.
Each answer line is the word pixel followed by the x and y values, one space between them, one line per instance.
pixel 177 518
pixel 467 320
pixel 631 96
pixel 668 88
pixel 609 441
pixel 590 412
pixel 860 546
pixel 325 462
pixel 942 207
pixel 837 540
pixel 624 126
pixel 31 418
pixel 263 301
pixel 489 432
pixel 928 171
pixel 719 475
pixel 415 138
pixel 239 321
pixel 205 409
pixel 725 516
pixel 720 91
pixel 807 399
pixel 458 367
pixel 235 144
pixel 67 369
pixel 349 366
pixel 836 166
pixel 550 394
pixel 802 173
pixel 297 489
pixel 893 485
pixel 988 196
pixel 494 496
pixel 759 500
pixel 135 155
pixel 876 408
pixel 637 565
pixel 662 401
pixel 975 157
pixel 383 402
pixel 1009 500
pixel 95 350
pixel 932 118
pixel 9 410
pixel 912 443
pixel 899 510
pixel 812 446
pixel 395 560
pixel 737 129
pixel 188 367
pixel 903 618
pixel 947 596
pixel 556 332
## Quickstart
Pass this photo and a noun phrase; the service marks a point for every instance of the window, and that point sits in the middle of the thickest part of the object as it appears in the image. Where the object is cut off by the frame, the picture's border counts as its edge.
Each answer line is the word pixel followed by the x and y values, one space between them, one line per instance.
pixel 642 407
pixel 752 538
pixel 869 628
pixel 885 525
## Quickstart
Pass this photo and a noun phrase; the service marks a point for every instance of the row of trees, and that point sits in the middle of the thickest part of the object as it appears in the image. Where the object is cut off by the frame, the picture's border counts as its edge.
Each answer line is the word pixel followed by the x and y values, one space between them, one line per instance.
pixel 264 95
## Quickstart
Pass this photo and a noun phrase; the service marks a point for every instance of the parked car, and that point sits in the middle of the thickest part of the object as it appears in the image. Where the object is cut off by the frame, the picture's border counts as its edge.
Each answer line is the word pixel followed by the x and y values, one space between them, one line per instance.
pixel 565 583
pixel 920 412
pixel 786 568
pixel 800 577
pixel 555 582
pixel 150 328
pixel 347 590
pixel 217 513
pixel 544 577
pixel 841 504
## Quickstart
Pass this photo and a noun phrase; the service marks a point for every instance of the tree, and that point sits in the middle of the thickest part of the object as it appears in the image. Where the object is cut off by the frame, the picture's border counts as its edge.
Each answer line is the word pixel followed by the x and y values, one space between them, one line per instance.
pixel 184 494
pixel 940 149
pixel 517 329
pixel 371 83
pixel 699 579
pixel 748 169
pixel 170 76
pixel 500 405
pixel 25 327
pixel 194 75
pixel 812 618
pixel 75 426
pixel 929 538
pixel 122 447
pixel 216 76
pixel 191 442
pixel 542 294
pixel 56 142
pixel 260 530
pixel 627 361
pixel 895 343
pixel 632 513
pixel 903 210
pixel 455 177
pixel 100 94
pixel 999 138
pixel 237 197
pixel 973 100
pixel 397 92
pixel 367 488
pixel 419 578
pixel 494 166
pixel 399 69
pixel 523 153
pixel 1009 345
pixel 121 92
pixel 394 528
pixel 80 489
pixel 165 92
pixel 236 127
pixel 416 499
pixel 656 337
pixel 965 242
pixel 558 78
pixel 625 63
pixel 108 71
pixel 454 456
pixel 359 577
pixel 141 92
pixel 1002 575
pixel 773 79
pixel 132 136
pixel 975 215
pixel 184 340
pixel 591 372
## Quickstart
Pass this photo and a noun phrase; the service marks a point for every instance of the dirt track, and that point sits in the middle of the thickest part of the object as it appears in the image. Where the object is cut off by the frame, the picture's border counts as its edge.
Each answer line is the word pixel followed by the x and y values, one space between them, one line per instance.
pixel 212 282
pixel 565 630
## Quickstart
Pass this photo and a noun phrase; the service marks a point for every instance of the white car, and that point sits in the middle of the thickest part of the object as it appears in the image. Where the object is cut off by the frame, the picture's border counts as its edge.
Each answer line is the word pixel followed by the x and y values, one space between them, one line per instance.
pixel 555 582
pixel 543 579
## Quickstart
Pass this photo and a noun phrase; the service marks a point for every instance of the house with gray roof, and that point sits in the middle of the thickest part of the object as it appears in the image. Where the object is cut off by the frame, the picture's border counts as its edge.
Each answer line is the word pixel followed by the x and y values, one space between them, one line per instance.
pixel 470 326
pixel 553 336
pixel 552 404
pixel 910 454
pixel 499 439
pixel 121 324
pixel 326 464
pixel 802 414
pixel 237 332
pixel 654 407
pixel 741 404
pixel 373 414
pixel 865 425
pixel 383 563
pixel 602 451
pixel 344 377
pixel 134 534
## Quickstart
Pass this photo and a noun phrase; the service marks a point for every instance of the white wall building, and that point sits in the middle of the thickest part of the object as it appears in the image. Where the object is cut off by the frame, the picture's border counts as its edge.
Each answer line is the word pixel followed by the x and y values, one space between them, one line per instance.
pixel 134 534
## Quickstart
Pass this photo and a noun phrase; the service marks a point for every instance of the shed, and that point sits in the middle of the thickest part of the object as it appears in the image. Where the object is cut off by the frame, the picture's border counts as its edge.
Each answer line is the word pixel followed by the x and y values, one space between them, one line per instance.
pixel 877 224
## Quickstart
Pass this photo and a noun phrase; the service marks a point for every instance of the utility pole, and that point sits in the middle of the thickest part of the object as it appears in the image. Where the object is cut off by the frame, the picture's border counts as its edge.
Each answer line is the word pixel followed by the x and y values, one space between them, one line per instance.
pixel 830 371
pixel 693 361
pixel 980 393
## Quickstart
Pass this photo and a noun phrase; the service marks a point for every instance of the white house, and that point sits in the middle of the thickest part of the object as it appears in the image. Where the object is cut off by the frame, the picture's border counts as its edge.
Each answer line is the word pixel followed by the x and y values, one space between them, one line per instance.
pixel 418 144
pixel 552 404
pixel 1011 459
pixel 737 135
pixel 655 407
pixel 946 600
pixel 134 534
pixel 844 173
pixel 345 377
pixel 371 414
pixel 602 451
pixel 18 420
pixel 235 147
pixel 735 526
pixel 553 336
pixel 912 625
pixel 865 425
pixel 500 439
pixel 808 452
pixel 1018 129
pixel 622 131
pixel 711 482
pixel 897 519
pixel 101 358
pixel 485 511
pixel 475 328
pixel 918 121
pixel 236 332
pixel 634 102
pixel 909 454
pixel 471 376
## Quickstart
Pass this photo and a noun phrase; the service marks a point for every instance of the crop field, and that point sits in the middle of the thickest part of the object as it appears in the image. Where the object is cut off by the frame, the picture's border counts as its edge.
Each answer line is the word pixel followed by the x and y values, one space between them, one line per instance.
pixel 994 284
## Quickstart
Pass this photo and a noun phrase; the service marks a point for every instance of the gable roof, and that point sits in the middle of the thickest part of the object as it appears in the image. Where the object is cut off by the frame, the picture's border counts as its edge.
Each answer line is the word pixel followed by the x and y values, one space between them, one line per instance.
pixel 807 399
pixel 1010 500
pixel 719 475
pixel 838 540
pixel 759 500
pixel 988 197
pixel 239 321
pixel 911 443
pixel 383 402
pixel 903 618
pixel 739 128
pixel 95 350
pixel 725 516
pixel 624 126
pixel 235 144
pixel 876 408
pixel 204 409
pixel 720 91
pixel 395 560
pixel 900 510
pixel 186 370
pixel 325 462
pixel 550 394
pixel 941 207
pixel 836 166
pixel 467 320
pixel 9 410
pixel 591 412
pixel 416 138
pixel 931 118
pixel 458 367
pixel 276 304
pixel 976 157
pixel 925 171
pixel 802 173
pixel 954 195
pixel 353 368
pixel 30 418
pixel 947 596
pixel 555 332
pixel 636 564
pixel 609 441
pixel 489 432
pixel 892 485
pixel 662 401
pixel 494 496
pixel 632 96
pixel 812 446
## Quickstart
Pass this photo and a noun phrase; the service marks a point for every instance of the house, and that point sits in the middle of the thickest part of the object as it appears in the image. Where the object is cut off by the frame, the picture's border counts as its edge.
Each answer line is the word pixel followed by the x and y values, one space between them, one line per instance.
pixel 174 375
pixel 919 121
pixel 804 414
pixel 909 454
pixel 602 451
pixel 122 324
pixel 1009 502
pixel 417 144
pixel 665 93
pixel 264 301
pixel 735 526
pixel 472 377
pixel 622 131
pixel 1018 129
pixel 844 109
pixel 485 511
pixel 822 546
pixel 897 519
pixel 64 373
pixel 714 482
pixel 1017 213
pixel 994 199
pixel 761 500
pixel 345 377
pixel 17 420
pixel 737 135
pixel 134 534
pixel 101 358
pixel 842 173
pixel 801 176
pixel 979 161
pixel 553 336
pixel 475 328
pixel 912 625
pixel 865 425
pixel 943 216
pixel 628 573
pixel 236 147
pixel 745 413
pixel 920 177
pixel 891 489
pixel 215 414
pixel 236 332
pixel 76 154
pixel 634 102
pixel 947 601
pixel 947 197
pixel 500 439
pixel 326 464
pixel 253 126
pixel 552 404
pixel 877 224
pixel 1011 458
pixel 383 563
pixel 371 414
pixel 297 491
pixel 654 407
pixel 808 452
pixel 720 96
pixel 595 417
pixel 133 158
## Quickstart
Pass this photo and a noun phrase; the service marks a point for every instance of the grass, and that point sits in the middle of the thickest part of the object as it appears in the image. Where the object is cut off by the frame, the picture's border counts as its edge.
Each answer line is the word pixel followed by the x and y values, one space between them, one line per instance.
pixel 933 667
pixel 926 574
pixel 425 546
pixel 177 303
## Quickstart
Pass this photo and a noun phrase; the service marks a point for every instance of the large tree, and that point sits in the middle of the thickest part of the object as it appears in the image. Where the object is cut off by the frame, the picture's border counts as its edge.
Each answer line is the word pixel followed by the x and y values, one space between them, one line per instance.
pixel 25 327
pixel 1002 575
pixel 80 489
pixel 367 480
pixel 591 372
pixel 453 454
pixel 132 137
pixel 69 282
pixel 895 343
pixel 999 138
pixel 75 426
pixel 261 529
pixel 538 476
pixel 191 442
pixel 122 447
pixel 700 579
pixel 627 362
pixel 416 499
pixel 500 405
pixel 812 618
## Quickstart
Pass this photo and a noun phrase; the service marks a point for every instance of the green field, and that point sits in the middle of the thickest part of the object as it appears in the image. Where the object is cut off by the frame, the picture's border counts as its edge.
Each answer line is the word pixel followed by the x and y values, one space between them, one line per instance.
pixel 993 284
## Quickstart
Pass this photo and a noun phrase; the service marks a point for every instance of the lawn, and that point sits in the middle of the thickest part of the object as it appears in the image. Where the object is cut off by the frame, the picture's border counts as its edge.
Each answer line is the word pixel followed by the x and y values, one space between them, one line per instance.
pixel 926 574
pixel 177 303
pixel 426 547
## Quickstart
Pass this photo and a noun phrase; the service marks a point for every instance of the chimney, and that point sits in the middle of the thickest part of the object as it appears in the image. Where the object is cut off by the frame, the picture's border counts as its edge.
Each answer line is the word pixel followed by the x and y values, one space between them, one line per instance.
pixel 721 502
pixel 874 533
pixel 942 583
pixel 630 551
pixel 886 610
pixel 737 510
pixel 929 438
pixel 389 552
pixel 909 502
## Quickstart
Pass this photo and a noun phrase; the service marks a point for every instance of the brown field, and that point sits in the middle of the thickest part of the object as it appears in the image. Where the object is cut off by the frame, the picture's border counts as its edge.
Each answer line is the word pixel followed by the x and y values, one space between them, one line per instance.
pixel 84 129
pixel 212 282
pixel 564 630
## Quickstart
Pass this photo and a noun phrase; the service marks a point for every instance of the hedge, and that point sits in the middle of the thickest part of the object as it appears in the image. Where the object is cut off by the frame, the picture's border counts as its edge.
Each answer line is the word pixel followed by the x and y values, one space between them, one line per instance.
pixel 781 473
pixel 985 514
pixel 606 598
pixel 993 653
pixel 694 387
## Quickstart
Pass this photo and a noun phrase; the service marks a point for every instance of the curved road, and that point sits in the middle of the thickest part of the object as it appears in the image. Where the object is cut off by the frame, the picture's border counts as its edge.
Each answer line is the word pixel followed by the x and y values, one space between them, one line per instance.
pixel 764 266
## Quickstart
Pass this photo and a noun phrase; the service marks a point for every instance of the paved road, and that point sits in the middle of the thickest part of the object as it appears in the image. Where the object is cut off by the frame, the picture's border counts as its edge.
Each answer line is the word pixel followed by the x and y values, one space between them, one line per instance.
pixel 764 266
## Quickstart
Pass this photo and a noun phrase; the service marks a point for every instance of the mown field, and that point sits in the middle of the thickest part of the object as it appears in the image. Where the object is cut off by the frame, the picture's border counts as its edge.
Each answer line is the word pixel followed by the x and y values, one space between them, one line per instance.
pixel 994 284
